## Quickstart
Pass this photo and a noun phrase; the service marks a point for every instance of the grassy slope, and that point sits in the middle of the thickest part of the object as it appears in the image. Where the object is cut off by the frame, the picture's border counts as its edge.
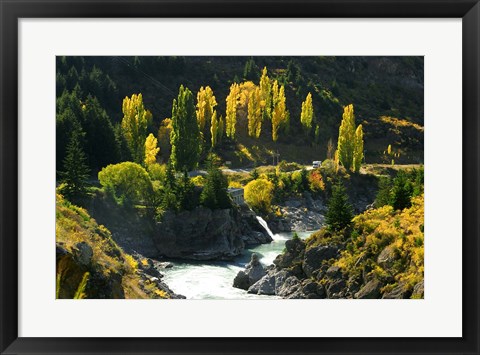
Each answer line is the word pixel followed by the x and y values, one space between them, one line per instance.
pixel 74 225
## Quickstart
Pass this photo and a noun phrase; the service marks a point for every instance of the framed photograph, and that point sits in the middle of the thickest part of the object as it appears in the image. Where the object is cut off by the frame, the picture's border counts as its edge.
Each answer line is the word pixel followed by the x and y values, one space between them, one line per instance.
pixel 260 177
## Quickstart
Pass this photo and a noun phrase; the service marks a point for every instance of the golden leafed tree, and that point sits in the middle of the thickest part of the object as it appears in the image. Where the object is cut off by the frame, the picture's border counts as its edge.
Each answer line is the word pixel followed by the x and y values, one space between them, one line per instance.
pixel 346 137
pixel 279 113
pixel 206 103
pixel 358 151
pixel 135 122
pixel 231 110
pixel 266 91
pixel 306 117
pixel 255 113
pixel 151 150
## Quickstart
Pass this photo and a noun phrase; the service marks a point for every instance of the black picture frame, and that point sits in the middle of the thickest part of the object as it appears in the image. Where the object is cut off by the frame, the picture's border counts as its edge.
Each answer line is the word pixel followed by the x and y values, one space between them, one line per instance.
pixel 11 11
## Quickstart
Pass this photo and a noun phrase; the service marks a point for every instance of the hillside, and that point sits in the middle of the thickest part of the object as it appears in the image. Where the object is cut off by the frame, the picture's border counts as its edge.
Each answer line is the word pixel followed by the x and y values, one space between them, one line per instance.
pixel 381 256
pixel 387 94
pixel 91 265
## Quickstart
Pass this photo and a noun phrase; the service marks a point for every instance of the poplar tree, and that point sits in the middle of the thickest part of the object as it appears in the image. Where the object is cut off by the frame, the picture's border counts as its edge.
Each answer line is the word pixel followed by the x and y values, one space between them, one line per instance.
pixel 306 117
pixel 214 129
pixel 279 113
pixel 185 134
pixel 266 92
pixel 358 151
pixel 231 110
pixel 135 122
pixel 346 137
pixel 221 129
pixel 206 103
pixel 151 150
pixel 254 113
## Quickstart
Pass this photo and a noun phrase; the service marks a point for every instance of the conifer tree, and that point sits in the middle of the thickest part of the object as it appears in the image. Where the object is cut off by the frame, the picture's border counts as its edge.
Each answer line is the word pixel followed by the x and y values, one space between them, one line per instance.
pixel 185 135
pixel 76 172
pixel 135 122
pixel 169 197
pixel 214 194
pixel 346 137
pixel 231 110
pixel 340 212
pixel 186 193
pixel 254 113
pixel 306 117
pixel 151 150
pixel 358 150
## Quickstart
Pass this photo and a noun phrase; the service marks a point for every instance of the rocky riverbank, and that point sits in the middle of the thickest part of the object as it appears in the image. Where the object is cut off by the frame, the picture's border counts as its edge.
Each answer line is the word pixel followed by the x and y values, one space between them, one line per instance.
pixel 364 262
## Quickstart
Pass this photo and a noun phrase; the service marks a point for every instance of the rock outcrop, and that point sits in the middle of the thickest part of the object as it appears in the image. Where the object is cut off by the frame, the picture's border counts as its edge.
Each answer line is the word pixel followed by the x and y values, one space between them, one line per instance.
pixel 254 271
pixel 205 234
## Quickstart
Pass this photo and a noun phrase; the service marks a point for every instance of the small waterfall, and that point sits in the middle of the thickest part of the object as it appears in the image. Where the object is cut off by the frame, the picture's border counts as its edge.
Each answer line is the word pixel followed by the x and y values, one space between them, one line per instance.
pixel 265 226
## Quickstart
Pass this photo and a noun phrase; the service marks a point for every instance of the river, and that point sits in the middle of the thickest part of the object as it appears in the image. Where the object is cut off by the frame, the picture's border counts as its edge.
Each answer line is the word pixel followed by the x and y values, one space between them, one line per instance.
pixel 213 280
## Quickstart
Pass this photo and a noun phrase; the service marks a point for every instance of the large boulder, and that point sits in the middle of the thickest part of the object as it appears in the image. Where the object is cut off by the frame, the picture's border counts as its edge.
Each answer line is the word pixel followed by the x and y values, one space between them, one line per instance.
pixel 264 286
pixel 370 290
pixel 254 271
pixel 314 258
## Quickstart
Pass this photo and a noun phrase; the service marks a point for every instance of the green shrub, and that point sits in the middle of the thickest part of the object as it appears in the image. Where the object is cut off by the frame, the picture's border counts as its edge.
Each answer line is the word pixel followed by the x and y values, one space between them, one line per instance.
pixel 128 183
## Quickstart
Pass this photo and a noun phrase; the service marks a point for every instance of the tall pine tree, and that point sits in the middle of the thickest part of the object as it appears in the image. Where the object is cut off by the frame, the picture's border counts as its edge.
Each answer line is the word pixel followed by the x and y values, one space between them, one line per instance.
pixel 340 212
pixel 76 172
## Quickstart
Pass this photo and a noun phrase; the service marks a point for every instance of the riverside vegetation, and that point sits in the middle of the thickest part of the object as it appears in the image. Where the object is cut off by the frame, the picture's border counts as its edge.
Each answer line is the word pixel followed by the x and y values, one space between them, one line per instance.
pixel 145 184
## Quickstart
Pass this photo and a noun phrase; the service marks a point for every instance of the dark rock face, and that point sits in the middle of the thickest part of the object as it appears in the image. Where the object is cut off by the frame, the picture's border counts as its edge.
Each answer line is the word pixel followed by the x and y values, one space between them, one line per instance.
pixel 204 234
pixel 314 258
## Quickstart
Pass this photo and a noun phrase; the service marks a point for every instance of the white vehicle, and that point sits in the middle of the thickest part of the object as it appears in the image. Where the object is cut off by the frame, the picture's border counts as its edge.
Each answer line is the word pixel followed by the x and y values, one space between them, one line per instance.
pixel 316 164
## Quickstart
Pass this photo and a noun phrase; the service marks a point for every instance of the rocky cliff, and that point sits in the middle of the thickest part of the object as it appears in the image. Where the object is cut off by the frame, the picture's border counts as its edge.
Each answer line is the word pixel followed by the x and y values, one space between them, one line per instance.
pixel 204 234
